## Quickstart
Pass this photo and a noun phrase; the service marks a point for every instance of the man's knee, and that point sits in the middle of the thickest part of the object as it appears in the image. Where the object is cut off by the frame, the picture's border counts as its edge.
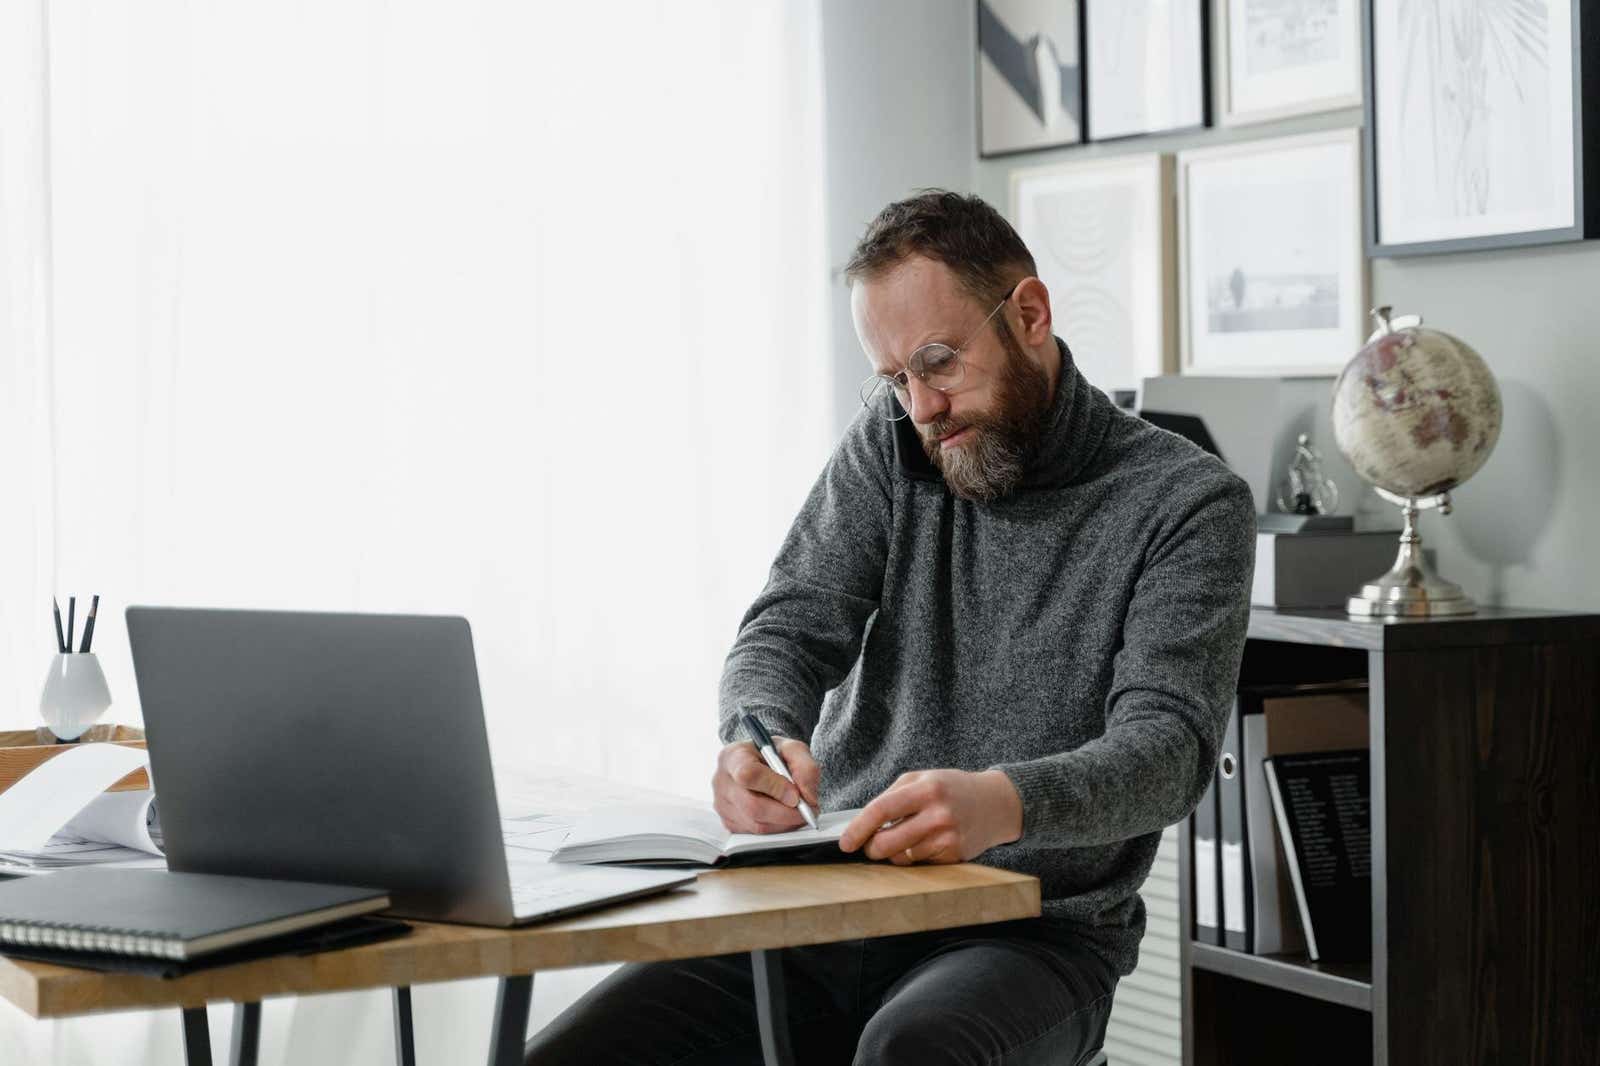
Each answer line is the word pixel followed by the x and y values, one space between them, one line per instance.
pixel 895 1035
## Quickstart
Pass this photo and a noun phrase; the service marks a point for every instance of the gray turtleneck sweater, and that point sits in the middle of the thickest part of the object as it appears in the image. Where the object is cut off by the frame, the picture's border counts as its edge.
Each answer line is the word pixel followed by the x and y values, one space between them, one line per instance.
pixel 1082 635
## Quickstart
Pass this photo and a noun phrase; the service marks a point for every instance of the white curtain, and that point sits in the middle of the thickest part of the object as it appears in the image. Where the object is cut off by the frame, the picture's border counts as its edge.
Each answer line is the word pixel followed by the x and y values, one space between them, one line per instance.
pixel 512 310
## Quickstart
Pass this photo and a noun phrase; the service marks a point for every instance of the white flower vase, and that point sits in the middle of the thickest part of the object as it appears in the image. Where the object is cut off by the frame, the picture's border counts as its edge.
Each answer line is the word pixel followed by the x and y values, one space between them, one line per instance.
pixel 74 695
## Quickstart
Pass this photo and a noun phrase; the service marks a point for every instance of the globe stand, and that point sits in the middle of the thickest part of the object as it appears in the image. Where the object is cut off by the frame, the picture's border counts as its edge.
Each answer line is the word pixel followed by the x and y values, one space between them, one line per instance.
pixel 1410 589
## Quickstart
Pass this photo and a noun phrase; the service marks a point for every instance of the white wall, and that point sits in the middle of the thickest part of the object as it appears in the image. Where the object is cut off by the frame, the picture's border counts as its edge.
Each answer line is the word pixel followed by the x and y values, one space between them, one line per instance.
pixel 899 117
pixel 509 310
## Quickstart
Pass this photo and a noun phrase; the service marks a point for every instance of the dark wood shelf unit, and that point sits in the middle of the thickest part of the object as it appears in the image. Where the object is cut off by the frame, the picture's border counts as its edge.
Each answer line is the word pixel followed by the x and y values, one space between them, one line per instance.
pixel 1348 984
pixel 1485 738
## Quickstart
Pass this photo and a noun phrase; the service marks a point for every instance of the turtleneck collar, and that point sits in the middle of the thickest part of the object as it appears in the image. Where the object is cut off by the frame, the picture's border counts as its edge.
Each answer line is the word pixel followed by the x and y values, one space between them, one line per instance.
pixel 1073 429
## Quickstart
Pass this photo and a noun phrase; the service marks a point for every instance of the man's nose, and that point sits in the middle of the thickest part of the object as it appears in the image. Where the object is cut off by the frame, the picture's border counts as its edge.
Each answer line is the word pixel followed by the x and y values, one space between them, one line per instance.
pixel 927 402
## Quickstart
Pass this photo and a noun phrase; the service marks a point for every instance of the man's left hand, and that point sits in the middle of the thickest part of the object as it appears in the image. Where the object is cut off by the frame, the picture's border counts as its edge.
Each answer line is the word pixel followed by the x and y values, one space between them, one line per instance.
pixel 939 816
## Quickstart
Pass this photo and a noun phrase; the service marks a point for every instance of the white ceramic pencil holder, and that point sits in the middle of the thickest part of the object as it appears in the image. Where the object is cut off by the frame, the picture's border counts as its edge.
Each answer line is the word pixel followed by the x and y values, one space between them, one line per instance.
pixel 74 694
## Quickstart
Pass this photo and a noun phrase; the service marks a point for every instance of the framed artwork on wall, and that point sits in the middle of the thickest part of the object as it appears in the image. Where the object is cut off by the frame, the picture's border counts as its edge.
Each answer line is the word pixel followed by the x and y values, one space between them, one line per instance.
pixel 1029 75
pixel 1101 234
pixel 1483 124
pixel 1147 69
pixel 1272 279
pixel 1278 58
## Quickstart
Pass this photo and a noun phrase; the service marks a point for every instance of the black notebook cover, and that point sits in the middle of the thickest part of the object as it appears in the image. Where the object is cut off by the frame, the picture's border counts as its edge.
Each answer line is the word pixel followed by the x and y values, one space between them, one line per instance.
pixel 164 914
pixel 346 933
pixel 1322 804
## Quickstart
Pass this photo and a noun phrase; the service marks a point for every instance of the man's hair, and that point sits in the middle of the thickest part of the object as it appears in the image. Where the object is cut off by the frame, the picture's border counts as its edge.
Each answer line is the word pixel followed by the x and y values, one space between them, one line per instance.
pixel 962 232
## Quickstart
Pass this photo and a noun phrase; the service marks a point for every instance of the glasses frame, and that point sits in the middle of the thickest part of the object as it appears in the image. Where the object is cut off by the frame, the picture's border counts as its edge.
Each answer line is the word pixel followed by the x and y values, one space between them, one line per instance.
pixel 916 363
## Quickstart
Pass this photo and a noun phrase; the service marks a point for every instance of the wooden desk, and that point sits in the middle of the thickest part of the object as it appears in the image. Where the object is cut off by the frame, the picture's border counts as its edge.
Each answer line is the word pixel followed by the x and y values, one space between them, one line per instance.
pixel 753 910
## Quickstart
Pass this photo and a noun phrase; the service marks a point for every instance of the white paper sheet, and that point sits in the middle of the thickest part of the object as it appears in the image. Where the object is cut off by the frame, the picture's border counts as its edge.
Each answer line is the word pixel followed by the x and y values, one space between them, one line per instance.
pixel 39 805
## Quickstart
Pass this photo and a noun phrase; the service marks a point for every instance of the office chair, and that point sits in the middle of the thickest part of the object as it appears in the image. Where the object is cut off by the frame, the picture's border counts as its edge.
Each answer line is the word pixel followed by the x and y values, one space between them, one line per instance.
pixel 1094 1058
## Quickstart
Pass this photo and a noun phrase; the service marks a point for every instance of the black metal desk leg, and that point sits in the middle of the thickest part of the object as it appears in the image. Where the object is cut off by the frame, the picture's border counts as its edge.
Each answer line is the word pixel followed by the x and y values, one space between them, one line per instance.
pixel 511 1007
pixel 405 1043
pixel 246 1047
pixel 772 1007
pixel 196 1037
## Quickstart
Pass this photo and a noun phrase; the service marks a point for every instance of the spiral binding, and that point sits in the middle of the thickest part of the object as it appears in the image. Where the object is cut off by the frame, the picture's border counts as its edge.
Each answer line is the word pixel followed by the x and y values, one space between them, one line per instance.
pixel 99 938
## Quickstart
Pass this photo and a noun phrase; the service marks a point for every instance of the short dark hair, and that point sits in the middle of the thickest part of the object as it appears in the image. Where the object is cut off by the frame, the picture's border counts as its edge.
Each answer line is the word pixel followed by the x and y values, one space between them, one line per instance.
pixel 962 232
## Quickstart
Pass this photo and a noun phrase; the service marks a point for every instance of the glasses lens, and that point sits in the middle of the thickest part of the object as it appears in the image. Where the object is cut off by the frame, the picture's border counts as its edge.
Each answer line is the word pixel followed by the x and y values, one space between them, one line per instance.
pixel 876 393
pixel 938 365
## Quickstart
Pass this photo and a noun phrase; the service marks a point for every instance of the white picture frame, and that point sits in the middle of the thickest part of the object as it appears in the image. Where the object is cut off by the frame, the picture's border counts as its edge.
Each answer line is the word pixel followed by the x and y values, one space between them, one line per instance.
pixel 1481 126
pixel 1146 67
pixel 1272 272
pixel 1279 58
pixel 1103 239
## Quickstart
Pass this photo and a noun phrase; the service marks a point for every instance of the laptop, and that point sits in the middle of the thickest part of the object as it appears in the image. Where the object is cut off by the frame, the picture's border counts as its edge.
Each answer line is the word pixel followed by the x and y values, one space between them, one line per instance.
pixel 344 749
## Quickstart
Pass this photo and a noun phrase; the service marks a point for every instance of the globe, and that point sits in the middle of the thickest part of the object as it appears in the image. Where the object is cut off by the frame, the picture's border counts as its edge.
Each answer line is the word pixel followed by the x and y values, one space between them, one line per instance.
pixel 1416 413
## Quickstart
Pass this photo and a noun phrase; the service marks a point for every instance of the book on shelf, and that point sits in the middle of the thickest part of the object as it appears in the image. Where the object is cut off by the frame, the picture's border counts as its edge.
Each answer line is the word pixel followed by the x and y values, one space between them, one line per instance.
pixel 1285 720
pixel 662 833
pixel 1321 801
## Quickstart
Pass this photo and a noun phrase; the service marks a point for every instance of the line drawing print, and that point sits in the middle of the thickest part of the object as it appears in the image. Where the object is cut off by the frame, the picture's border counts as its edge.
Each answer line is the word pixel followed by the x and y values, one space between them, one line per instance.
pixel 1452 52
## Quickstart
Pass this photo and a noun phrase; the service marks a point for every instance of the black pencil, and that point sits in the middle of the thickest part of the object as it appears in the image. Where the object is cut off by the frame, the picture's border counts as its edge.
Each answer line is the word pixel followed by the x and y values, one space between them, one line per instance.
pixel 88 625
pixel 72 608
pixel 61 641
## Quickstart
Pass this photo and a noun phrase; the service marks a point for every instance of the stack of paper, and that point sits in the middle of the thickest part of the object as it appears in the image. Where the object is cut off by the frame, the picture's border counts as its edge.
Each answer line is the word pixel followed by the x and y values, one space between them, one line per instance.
pixel 60 815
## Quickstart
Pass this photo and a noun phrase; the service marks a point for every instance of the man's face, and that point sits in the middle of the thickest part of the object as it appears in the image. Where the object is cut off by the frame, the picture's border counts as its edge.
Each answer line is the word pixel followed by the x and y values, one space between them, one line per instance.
pixel 981 433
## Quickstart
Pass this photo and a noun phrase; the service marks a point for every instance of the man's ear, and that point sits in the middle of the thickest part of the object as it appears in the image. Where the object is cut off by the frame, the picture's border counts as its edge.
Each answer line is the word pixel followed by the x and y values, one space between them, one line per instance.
pixel 1033 306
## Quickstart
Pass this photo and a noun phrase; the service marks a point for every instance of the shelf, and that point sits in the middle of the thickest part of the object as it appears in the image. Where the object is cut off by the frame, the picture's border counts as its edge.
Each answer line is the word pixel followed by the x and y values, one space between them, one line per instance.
pixel 1486 627
pixel 1348 984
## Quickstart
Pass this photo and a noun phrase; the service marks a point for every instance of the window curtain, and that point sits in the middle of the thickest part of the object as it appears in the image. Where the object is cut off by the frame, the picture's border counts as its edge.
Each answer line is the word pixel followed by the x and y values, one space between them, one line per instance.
pixel 508 310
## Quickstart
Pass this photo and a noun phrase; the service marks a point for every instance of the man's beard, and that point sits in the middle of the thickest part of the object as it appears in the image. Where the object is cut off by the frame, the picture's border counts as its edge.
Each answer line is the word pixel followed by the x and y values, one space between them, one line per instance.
pixel 990 463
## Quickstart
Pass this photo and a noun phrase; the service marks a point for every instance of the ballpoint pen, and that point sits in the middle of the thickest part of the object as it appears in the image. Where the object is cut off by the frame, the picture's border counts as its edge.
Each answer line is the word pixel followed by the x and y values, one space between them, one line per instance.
pixel 769 753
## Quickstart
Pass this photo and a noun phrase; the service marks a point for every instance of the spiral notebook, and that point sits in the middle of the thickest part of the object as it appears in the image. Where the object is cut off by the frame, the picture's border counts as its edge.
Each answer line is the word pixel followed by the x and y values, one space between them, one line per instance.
pixel 160 914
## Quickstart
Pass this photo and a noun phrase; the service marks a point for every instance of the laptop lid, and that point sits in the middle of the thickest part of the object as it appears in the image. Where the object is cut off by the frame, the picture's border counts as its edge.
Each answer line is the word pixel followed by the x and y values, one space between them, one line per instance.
pixel 341 748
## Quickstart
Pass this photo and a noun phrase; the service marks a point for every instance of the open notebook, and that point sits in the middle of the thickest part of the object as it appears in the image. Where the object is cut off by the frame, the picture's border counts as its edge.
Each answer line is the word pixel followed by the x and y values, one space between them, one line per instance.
pixel 662 833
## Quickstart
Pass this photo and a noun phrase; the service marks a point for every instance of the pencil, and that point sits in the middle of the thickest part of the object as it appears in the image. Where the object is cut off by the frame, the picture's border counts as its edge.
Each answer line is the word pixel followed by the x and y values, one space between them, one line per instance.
pixel 61 641
pixel 88 625
pixel 72 608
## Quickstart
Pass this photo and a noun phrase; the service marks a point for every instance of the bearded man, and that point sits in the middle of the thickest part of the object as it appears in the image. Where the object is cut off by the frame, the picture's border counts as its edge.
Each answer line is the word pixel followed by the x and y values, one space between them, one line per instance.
pixel 1007 623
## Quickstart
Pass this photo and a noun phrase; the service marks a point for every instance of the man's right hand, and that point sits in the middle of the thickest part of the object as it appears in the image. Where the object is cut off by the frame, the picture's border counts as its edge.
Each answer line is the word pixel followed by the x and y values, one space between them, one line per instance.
pixel 751 798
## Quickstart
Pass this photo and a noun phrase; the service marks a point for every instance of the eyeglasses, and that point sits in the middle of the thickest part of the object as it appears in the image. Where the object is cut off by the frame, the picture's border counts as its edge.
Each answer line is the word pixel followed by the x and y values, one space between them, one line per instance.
pixel 937 366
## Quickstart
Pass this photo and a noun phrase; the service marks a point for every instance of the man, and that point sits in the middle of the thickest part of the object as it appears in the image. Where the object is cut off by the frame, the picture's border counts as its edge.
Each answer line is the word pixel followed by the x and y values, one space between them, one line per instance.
pixel 1007 622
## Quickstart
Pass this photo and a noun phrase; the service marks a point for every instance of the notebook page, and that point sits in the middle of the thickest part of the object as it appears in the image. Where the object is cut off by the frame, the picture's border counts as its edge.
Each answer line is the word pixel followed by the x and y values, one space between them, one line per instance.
pixel 830 826
pixel 648 822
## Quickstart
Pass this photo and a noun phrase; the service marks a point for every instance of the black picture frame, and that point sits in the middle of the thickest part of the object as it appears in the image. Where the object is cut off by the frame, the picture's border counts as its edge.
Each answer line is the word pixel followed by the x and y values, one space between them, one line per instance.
pixel 986 27
pixel 1585 151
pixel 1086 21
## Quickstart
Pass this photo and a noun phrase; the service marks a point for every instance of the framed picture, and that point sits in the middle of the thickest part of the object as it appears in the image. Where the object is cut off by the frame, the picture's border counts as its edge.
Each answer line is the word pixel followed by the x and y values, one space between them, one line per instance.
pixel 1287 57
pixel 1030 75
pixel 1480 119
pixel 1101 235
pixel 1272 279
pixel 1147 69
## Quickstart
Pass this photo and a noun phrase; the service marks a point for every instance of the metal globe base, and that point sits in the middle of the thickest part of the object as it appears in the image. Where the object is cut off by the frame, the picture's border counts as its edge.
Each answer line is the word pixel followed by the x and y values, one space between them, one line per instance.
pixel 1410 588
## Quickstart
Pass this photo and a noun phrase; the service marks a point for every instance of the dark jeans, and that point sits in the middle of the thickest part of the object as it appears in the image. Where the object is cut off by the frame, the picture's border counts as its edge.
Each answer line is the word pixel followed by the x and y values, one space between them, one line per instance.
pixel 1012 993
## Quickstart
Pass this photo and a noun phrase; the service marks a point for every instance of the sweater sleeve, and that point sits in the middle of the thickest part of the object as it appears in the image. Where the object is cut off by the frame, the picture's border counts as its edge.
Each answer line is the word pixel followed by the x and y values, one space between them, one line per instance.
pixel 1173 683
pixel 803 633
